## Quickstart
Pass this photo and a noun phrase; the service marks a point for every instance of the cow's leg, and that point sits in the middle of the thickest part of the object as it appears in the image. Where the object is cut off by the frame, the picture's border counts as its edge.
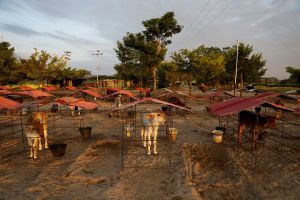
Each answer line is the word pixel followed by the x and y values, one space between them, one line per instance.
pixel 241 129
pixel 148 135
pixel 143 135
pixel 46 136
pixel 30 144
pixel 35 148
pixel 39 140
pixel 154 134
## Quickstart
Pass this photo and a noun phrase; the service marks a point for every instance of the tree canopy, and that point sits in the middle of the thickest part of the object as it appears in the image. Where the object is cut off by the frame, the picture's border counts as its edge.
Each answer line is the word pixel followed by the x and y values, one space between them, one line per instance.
pixel 294 74
pixel 41 66
pixel 250 65
pixel 8 64
pixel 142 53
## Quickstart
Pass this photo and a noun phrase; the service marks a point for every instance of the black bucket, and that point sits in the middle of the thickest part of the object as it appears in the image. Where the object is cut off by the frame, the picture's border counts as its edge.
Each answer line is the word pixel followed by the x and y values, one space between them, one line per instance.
pixel 85 132
pixel 58 149
pixel 221 129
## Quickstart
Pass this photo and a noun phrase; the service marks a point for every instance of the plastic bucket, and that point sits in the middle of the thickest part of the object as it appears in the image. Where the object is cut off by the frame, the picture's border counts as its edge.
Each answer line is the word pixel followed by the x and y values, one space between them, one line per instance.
pixel 85 132
pixel 173 134
pixel 58 149
pixel 217 136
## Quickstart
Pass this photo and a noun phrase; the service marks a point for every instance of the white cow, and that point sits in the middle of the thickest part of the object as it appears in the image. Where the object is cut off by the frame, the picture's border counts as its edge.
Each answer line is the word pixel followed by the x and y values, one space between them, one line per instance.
pixel 75 110
pixel 151 122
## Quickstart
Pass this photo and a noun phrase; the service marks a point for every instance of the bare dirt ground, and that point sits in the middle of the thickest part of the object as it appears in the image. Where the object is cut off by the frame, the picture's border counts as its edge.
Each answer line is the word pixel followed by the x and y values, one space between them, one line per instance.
pixel 200 168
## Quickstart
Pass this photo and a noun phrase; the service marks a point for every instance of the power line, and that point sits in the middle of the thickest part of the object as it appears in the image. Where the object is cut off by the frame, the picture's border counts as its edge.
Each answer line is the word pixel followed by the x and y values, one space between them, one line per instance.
pixel 201 20
pixel 193 22
pixel 203 27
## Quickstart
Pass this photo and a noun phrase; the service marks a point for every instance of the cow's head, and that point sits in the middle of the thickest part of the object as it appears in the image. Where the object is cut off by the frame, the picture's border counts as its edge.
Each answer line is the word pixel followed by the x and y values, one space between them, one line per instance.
pixel 159 117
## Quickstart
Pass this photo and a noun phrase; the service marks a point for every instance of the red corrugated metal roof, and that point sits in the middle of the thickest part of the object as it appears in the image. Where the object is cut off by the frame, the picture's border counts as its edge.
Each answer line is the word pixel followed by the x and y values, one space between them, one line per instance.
pixel 85 104
pixel 237 104
pixel 127 93
pixel 149 99
pixel 92 93
pixel 5 92
pixel 4 87
pixel 67 100
pixel 77 102
pixel 8 104
pixel 49 88
pixel 170 92
pixel 34 94
pixel 71 88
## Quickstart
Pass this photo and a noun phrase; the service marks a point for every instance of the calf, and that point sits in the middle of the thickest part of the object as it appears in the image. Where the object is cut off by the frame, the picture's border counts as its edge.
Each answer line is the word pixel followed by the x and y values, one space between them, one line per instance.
pixel 75 110
pixel 151 122
pixel 255 122
pixel 177 102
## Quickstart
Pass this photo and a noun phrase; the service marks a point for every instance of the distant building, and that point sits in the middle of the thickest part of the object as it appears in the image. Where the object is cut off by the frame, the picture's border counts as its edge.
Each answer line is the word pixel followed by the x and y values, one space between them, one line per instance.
pixel 105 82
pixel 269 81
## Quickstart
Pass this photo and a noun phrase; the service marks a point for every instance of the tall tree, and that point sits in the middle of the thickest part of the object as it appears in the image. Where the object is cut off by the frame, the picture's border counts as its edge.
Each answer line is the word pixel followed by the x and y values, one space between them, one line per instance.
pixel 37 65
pixel 250 65
pixel 146 49
pixel 158 33
pixel 8 64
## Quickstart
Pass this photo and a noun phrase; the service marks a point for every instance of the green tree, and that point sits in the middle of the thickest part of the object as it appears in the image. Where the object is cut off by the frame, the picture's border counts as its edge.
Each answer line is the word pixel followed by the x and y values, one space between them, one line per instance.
pixel 36 65
pixel 167 73
pixel 294 74
pixel 9 71
pixel 203 64
pixel 147 49
pixel 250 65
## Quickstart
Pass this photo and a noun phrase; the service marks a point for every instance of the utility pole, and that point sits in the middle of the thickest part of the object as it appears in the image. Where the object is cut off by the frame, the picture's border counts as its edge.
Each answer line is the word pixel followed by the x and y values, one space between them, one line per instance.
pixel 236 64
pixel 68 58
pixel 98 54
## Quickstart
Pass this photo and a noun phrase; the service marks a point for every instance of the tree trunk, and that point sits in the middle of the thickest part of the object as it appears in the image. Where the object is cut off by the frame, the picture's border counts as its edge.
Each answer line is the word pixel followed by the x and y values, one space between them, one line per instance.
pixel 241 85
pixel 154 80
pixel 190 87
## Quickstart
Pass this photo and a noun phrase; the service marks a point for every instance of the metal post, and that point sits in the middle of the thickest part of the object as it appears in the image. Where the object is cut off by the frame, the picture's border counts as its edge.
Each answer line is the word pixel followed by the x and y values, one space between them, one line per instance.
pixel 236 64
pixel 98 54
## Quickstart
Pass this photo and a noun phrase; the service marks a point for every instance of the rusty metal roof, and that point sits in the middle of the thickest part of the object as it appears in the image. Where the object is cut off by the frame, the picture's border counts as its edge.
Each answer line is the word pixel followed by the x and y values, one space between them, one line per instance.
pixel 237 104
pixel 151 100
pixel 9 104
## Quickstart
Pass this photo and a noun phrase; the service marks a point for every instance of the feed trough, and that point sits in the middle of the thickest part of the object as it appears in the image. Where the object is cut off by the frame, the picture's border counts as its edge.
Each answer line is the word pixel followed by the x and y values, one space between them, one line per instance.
pixel 58 149
pixel 85 132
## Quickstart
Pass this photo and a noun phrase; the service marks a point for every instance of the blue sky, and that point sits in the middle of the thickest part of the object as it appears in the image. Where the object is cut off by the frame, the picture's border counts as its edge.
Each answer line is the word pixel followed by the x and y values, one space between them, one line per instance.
pixel 83 26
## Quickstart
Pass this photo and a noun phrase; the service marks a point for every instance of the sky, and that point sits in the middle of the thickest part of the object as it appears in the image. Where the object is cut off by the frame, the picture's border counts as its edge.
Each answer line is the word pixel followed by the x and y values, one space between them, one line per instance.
pixel 272 27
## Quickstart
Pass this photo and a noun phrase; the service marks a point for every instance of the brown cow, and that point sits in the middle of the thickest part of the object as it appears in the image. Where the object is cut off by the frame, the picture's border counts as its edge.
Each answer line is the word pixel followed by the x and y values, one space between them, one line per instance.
pixel 256 123
pixel 176 101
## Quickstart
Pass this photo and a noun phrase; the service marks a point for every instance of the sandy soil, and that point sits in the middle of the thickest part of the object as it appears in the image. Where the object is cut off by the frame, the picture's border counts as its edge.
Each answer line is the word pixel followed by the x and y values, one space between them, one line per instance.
pixel 200 168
